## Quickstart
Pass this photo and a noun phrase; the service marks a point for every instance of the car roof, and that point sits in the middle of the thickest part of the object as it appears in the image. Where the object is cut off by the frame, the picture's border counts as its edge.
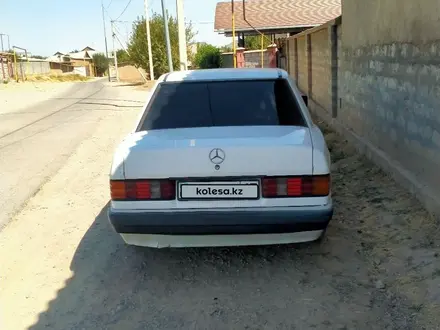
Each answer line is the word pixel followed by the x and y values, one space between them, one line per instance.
pixel 223 74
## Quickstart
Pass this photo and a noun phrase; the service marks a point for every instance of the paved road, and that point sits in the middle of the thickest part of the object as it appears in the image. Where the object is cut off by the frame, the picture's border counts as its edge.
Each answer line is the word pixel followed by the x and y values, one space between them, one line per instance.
pixel 37 140
pixel 63 267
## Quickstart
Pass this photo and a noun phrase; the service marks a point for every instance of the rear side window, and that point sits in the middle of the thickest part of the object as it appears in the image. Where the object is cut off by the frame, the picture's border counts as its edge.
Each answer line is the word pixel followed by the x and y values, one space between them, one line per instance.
pixel 222 103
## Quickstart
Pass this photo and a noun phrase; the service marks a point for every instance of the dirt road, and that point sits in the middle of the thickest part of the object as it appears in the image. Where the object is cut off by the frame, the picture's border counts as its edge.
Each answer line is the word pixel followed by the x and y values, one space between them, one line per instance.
pixel 62 266
pixel 37 139
pixel 16 96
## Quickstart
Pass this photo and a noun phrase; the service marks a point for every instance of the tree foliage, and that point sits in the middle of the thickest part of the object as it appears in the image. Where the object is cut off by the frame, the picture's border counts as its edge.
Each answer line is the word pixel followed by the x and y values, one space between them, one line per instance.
pixel 123 57
pixel 138 47
pixel 207 57
pixel 250 43
pixel 254 42
pixel 226 49
pixel 101 63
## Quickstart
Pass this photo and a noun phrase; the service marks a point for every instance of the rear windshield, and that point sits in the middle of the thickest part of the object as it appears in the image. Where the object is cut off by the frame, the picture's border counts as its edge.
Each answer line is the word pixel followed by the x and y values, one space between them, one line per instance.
pixel 225 103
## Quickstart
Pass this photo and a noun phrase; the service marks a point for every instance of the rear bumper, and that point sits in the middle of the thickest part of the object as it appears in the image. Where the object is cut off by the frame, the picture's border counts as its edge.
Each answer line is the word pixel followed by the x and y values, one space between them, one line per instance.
pixel 273 220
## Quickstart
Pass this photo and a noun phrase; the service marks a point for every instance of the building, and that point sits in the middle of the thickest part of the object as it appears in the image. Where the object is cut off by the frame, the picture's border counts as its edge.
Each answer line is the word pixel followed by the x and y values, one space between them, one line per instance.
pixel 274 17
pixel 80 62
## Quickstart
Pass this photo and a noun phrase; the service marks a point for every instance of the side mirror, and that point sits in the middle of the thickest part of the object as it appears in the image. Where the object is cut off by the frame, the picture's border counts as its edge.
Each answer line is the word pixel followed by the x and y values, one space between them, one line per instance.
pixel 305 99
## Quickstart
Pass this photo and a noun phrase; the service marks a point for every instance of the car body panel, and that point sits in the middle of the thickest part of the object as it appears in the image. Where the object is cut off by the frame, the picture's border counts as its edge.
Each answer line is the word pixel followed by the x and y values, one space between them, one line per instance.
pixel 197 241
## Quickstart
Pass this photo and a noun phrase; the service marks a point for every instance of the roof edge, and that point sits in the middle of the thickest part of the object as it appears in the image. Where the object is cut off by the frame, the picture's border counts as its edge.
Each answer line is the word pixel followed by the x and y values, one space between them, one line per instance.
pixel 335 21
pixel 272 27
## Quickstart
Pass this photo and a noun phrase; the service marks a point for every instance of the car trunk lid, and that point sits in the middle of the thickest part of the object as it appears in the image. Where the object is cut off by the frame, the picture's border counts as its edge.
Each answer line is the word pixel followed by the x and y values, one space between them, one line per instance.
pixel 249 151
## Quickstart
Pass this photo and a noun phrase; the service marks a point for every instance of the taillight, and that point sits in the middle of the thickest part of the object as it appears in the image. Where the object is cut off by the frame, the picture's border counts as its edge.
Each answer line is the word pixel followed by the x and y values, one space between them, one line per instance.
pixel 301 186
pixel 121 190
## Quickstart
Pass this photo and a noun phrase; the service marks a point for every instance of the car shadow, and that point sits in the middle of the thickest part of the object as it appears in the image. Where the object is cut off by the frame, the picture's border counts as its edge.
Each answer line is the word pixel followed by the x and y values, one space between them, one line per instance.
pixel 116 286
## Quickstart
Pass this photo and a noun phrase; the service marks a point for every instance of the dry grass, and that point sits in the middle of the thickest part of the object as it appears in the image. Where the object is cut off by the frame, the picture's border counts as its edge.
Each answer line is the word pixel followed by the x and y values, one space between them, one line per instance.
pixel 57 78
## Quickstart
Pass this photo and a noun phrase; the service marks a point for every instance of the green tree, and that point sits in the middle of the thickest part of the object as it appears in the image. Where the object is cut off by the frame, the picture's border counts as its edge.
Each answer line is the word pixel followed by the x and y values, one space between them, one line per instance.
pixel 254 42
pixel 138 47
pixel 207 57
pixel 250 43
pixel 226 49
pixel 101 63
pixel 123 57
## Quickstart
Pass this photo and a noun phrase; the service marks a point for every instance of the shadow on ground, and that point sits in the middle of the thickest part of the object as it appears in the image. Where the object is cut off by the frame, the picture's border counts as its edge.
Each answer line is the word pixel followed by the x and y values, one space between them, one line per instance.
pixel 128 83
pixel 116 286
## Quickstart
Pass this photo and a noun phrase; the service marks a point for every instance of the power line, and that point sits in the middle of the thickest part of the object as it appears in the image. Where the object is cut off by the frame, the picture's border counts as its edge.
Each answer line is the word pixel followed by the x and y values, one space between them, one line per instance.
pixel 105 38
pixel 128 4
pixel 108 6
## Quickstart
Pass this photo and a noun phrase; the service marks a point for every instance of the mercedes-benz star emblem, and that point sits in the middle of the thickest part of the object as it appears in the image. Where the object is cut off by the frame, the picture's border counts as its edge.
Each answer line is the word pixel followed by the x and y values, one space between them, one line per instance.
pixel 217 156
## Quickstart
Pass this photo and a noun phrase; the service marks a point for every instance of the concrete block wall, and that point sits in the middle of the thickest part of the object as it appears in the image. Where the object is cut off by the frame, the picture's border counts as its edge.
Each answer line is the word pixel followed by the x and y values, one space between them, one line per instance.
pixel 302 77
pixel 379 85
pixel 36 67
pixel 391 97
pixel 313 62
pixel 291 54
pixel 321 68
pixel 389 85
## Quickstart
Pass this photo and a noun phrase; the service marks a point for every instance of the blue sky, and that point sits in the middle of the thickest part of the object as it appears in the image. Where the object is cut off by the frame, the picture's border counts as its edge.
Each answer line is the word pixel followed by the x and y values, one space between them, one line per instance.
pixel 47 26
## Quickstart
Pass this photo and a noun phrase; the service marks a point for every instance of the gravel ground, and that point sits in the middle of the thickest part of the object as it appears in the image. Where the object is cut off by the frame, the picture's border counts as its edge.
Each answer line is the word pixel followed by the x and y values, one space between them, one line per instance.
pixel 377 268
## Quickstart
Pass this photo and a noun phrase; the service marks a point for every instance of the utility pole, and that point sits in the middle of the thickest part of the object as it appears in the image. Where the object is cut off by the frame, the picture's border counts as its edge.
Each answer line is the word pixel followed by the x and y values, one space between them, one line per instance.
pixel 105 40
pixel 167 36
pixel 234 46
pixel 114 50
pixel 124 48
pixel 183 55
pixel 1 39
pixel 150 52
